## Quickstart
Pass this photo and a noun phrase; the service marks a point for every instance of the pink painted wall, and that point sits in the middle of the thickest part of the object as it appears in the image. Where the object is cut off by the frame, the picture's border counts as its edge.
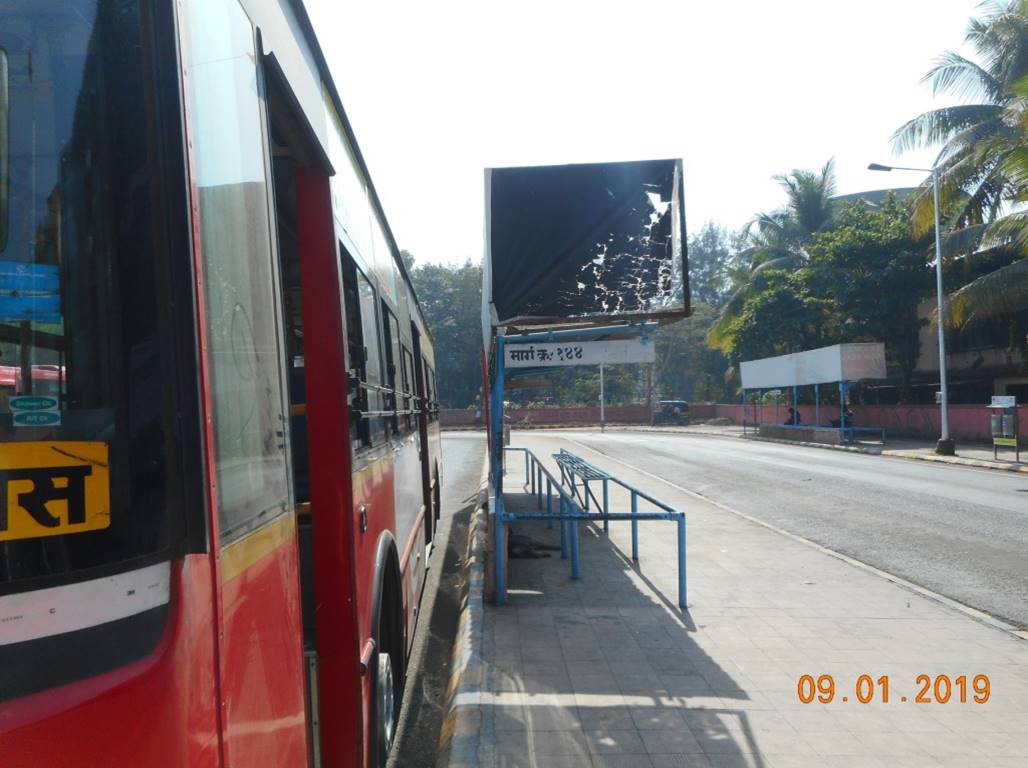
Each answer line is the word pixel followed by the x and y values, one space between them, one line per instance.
pixel 966 422
pixel 615 414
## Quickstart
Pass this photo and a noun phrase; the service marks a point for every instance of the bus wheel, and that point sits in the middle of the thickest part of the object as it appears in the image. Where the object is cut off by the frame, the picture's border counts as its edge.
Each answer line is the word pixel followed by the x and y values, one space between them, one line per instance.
pixel 388 693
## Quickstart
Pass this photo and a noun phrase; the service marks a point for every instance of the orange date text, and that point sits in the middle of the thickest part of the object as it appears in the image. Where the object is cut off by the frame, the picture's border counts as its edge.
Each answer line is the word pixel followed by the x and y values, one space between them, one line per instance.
pixel 927 689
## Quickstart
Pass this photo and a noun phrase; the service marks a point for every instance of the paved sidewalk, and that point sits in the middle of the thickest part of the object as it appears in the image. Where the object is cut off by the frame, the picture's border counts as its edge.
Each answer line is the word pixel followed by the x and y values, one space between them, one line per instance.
pixel 968 454
pixel 605 671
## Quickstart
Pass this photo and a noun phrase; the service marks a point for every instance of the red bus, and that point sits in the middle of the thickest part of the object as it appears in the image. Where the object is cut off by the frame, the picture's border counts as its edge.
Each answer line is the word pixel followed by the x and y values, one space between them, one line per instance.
pixel 213 543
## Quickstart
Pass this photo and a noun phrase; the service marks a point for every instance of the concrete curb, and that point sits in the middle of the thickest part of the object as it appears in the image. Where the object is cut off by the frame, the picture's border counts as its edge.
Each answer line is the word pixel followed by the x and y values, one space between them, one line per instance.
pixel 461 732
pixel 999 466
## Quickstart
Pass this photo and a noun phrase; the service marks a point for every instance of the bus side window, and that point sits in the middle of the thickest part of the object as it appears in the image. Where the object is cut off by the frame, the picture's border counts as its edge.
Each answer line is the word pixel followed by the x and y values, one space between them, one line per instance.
pixel 409 403
pixel 373 367
pixel 392 348
pixel 363 361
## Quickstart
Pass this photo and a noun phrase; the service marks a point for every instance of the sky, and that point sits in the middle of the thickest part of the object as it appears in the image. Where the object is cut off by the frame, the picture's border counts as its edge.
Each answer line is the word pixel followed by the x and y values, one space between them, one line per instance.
pixel 742 90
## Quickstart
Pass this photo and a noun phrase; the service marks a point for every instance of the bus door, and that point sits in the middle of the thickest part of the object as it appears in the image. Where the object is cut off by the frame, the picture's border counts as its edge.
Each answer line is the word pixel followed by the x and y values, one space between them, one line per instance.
pixel 263 709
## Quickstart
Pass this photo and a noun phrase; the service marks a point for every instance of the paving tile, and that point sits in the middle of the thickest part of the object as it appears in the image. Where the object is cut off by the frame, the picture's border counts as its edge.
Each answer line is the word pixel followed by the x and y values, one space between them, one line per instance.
pixel 547 761
pixel 670 742
pixel 680 761
pixel 606 718
pixel 657 718
pixel 622 761
pixel 541 742
pixel 536 718
pixel 609 742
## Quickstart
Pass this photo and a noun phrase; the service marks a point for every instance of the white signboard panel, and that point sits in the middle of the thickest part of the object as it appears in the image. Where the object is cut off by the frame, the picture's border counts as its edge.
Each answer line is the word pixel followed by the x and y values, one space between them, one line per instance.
pixel 841 362
pixel 998 401
pixel 559 353
pixel 863 361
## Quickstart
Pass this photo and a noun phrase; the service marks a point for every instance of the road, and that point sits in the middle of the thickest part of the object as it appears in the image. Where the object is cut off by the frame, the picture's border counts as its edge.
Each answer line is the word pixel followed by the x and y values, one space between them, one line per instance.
pixel 959 532
pixel 428 672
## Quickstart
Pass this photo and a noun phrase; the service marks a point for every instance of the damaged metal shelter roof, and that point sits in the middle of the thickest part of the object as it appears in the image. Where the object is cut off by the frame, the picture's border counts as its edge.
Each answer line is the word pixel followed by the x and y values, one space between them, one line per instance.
pixel 584 245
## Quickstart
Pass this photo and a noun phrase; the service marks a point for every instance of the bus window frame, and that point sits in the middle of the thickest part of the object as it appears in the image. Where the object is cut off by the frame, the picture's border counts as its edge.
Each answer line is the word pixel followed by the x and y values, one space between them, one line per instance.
pixel 375 429
pixel 392 345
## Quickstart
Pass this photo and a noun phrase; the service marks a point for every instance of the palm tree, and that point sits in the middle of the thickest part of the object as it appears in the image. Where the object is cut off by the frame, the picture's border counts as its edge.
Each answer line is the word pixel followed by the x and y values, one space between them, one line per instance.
pixel 777 240
pixel 982 163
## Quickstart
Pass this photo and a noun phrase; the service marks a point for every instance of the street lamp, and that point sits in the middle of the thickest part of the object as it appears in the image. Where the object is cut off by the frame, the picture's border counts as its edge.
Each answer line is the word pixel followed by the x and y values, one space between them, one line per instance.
pixel 945 445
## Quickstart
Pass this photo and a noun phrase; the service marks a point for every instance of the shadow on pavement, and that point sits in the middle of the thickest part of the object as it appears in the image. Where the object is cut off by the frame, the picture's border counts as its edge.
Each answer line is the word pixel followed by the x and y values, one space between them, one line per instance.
pixel 604 670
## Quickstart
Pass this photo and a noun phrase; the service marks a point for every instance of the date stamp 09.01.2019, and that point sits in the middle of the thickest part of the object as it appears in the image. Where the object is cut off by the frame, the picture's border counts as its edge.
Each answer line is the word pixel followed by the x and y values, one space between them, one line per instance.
pixel 938 689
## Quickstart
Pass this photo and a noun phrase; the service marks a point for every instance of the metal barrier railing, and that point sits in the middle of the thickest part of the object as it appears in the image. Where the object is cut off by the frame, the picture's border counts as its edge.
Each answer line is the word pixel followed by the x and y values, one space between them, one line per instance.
pixel 570 512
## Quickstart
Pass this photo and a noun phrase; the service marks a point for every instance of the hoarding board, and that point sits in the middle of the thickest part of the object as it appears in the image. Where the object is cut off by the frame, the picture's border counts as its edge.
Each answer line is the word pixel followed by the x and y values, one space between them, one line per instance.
pixel 558 354
pixel 593 241
pixel 862 361
pixel 841 362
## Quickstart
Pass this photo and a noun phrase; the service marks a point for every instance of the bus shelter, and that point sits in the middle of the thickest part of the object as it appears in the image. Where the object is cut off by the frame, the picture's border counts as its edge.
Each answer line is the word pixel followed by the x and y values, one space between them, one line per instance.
pixel 582 263
pixel 840 364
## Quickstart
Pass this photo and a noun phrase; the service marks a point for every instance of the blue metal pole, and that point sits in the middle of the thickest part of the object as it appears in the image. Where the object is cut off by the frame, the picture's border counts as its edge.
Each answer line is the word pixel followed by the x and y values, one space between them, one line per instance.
pixel 539 487
pixel 842 409
pixel 535 471
pixel 575 571
pixel 681 562
pixel 606 508
pixel 563 529
pixel 549 502
pixel 795 405
pixel 501 554
pixel 744 411
pixel 496 417
pixel 817 405
pixel 585 485
pixel 635 528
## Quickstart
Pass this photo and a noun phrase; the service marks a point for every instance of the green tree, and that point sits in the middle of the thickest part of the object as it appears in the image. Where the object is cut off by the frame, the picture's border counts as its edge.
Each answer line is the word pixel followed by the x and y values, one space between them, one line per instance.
pixel 875 272
pixel 983 162
pixel 686 367
pixel 777 240
pixel 451 297
pixel 709 253
pixel 780 316
pixel 622 385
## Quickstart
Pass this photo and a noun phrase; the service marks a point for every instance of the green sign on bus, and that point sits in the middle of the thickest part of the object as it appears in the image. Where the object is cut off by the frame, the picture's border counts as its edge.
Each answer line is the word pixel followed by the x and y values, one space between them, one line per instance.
pixel 36 418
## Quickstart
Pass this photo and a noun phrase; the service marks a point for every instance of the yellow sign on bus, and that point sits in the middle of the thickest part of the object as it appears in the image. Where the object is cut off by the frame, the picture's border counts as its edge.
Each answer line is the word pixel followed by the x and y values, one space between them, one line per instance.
pixel 53 489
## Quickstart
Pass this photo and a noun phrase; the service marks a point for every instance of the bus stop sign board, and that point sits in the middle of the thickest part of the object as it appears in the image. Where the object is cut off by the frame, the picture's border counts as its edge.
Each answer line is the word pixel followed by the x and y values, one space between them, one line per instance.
pixel 562 353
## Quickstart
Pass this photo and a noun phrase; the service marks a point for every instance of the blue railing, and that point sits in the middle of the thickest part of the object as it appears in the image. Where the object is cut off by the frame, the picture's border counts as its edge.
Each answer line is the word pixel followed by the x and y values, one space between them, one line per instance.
pixel 574 506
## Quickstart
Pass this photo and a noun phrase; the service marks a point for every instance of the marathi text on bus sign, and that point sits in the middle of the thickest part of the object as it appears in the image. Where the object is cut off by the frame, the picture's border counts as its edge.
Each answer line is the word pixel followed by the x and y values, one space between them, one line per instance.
pixel 546 354
pixel 53 489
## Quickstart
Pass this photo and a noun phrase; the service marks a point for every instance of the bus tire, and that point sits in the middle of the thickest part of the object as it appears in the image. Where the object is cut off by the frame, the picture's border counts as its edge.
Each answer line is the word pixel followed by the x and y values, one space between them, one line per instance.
pixel 388 669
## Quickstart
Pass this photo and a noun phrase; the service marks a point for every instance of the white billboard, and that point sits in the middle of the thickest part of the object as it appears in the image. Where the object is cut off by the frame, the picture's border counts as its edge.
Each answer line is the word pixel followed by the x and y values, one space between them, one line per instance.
pixel 841 362
pixel 548 354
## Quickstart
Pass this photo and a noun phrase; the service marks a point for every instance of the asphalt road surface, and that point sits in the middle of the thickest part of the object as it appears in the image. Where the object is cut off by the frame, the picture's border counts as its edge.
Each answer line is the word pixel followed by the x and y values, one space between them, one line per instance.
pixel 960 532
pixel 428 671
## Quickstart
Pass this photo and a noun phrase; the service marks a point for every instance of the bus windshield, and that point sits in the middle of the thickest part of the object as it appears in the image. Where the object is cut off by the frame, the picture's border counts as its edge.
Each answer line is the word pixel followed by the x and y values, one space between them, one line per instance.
pixel 83 415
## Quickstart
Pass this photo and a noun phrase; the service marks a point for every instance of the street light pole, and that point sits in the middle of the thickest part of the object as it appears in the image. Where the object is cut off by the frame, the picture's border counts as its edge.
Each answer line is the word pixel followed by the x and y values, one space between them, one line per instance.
pixel 945 445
